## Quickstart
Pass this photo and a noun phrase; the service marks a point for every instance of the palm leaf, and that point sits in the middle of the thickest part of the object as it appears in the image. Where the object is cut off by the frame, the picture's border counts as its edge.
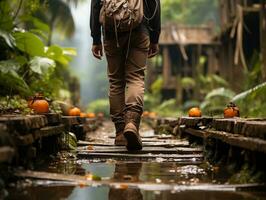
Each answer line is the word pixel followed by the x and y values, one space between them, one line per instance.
pixel 249 92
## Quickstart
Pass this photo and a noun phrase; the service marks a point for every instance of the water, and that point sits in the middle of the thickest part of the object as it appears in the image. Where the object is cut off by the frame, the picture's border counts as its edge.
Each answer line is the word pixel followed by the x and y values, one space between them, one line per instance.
pixel 131 179
pixel 151 180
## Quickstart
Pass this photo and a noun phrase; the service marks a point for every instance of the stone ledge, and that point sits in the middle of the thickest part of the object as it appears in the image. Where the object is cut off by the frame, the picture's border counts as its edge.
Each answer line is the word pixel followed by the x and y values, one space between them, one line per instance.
pixel 22 123
pixel 249 143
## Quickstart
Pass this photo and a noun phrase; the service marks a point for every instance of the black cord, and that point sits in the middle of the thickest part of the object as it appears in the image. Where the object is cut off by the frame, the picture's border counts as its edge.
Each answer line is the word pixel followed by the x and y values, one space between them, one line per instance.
pixel 155 10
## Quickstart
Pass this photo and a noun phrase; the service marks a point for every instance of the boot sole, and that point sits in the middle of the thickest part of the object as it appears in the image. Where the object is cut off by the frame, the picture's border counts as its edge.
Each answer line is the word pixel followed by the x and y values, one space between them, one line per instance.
pixel 120 144
pixel 133 141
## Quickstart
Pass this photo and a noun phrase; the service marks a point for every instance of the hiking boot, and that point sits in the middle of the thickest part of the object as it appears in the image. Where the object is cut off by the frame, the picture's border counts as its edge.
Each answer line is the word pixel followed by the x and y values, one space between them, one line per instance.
pixel 120 140
pixel 131 131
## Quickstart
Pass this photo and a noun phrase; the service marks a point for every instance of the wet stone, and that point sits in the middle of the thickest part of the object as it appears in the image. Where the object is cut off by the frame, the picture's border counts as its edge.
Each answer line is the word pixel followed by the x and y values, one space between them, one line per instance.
pixel 69 121
pixel 23 124
pixel 53 118
pixel 49 131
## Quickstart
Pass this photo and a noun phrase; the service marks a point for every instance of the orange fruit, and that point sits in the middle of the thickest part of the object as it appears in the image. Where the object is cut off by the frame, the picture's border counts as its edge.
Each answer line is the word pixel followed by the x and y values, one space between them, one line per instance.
pixel 74 112
pixel 231 111
pixel 194 112
pixel 152 114
pixel 83 114
pixel 145 114
pixel 91 115
pixel 40 106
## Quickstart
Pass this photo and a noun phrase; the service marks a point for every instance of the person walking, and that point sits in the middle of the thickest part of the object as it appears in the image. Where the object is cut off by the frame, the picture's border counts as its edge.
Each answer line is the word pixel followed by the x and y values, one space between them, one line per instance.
pixel 131 30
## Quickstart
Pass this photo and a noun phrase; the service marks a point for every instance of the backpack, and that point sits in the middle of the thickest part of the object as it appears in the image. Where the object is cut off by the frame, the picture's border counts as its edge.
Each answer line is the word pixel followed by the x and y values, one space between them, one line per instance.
pixel 121 15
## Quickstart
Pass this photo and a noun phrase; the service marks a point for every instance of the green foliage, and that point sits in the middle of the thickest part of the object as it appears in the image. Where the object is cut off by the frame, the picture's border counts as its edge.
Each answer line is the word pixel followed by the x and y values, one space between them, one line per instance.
pixel 156 87
pixel 13 104
pixel 100 105
pixel 41 65
pixel 10 79
pixel 27 65
pixel 188 83
pixel 168 109
pixel 252 101
pixel 29 43
pixel 190 11
pixel 68 141
pixel 220 93
pixel 151 100
pixel 216 100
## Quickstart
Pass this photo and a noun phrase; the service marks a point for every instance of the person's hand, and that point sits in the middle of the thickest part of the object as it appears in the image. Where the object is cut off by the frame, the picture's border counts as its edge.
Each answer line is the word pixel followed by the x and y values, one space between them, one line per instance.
pixel 153 50
pixel 97 51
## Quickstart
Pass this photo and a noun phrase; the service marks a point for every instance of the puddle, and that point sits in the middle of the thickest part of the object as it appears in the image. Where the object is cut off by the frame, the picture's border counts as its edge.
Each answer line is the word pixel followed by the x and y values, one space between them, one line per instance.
pixel 151 180
pixel 132 179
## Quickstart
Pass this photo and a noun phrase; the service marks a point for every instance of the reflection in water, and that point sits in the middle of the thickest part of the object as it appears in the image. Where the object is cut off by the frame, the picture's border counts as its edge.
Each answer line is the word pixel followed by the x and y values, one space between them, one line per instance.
pixel 129 172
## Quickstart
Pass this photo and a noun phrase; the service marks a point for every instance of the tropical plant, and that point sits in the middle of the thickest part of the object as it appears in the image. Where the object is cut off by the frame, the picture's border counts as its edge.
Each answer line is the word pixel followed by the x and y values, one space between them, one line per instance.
pixel 27 64
pixel 252 101
pixel 216 100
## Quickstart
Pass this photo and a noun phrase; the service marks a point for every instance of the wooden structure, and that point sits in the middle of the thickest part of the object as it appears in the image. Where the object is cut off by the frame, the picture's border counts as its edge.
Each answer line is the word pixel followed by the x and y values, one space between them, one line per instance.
pixel 243 33
pixel 181 49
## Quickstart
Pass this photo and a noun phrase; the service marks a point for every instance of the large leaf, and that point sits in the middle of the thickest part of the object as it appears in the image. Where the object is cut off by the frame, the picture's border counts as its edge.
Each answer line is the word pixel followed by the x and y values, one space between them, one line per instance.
pixel 59 54
pixel 29 43
pixel 249 92
pixel 41 65
pixel 10 79
pixel 220 92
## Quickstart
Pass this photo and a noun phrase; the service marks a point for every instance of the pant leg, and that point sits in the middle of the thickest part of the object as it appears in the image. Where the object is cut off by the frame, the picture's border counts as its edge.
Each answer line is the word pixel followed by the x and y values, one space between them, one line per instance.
pixel 116 76
pixel 135 71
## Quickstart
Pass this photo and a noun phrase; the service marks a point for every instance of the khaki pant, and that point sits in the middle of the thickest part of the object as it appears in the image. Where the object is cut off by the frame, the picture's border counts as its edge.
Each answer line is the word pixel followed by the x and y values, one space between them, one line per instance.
pixel 126 76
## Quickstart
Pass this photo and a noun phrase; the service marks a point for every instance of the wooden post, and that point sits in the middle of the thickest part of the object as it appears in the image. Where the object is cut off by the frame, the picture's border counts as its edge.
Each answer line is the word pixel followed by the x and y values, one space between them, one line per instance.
pixel 263 38
pixel 166 67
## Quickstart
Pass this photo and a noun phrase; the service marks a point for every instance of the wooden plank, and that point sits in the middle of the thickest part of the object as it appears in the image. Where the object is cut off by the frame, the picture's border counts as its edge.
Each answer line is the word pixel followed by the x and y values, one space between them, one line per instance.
pixel 179 150
pixel 86 181
pixel 134 154
pixel 158 137
pixel 249 143
pixel 6 154
pixel 144 144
